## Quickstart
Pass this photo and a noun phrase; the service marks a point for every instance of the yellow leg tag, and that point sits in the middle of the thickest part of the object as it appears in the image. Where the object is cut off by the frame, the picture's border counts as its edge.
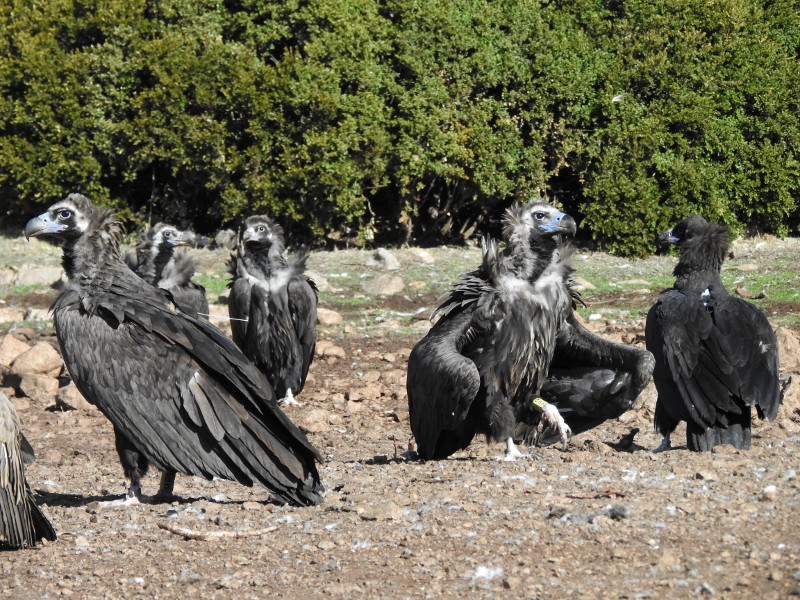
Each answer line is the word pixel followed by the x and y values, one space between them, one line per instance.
pixel 539 404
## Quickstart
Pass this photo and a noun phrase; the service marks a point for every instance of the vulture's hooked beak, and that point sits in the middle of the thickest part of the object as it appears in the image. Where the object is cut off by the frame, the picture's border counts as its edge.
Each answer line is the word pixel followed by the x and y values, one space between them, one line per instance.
pixel 42 225
pixel 667 238
pixel 561 223
pixel 181 239
pixel 250 234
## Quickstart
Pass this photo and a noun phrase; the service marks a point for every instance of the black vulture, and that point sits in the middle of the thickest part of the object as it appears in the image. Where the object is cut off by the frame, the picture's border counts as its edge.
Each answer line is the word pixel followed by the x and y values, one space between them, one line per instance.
pixel 180 394
pixel 508 356
pixel 273 306
pixel 22 522
pixel 154 259
pixel 716 355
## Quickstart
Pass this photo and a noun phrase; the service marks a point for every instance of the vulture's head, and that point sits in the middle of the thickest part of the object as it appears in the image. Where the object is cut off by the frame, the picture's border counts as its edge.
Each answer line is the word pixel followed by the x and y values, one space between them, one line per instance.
pixel 538 223
pixel 695 237
pixel 167 235
pixel 69 219
pixel 260 232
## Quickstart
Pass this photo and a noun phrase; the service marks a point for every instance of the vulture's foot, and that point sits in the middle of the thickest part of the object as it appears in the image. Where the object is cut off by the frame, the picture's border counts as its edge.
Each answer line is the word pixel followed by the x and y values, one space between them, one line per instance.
pixel 289 400
pixel 132 497
pixel 664 445
pixel 513 453
pixel 553 421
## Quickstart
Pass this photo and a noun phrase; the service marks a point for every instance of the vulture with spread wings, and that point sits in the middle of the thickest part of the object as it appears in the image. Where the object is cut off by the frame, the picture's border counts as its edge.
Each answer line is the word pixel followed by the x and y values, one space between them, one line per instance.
pixel 508 358
pixel 154 259
pixel 180 394
pixel 273 306
pixel 716 355
pixel 22 522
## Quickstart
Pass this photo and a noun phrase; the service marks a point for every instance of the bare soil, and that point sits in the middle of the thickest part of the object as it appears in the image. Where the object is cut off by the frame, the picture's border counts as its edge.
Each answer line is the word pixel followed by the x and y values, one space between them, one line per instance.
pixel 594 521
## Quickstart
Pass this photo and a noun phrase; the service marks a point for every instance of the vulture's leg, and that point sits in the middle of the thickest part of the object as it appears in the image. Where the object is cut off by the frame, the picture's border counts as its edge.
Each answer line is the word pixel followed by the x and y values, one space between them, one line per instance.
pixel 551 419
pixel 166 487
pixel 664 445
pixel 512 452
pixel 288 399
pixel 665 425
pixel 134 465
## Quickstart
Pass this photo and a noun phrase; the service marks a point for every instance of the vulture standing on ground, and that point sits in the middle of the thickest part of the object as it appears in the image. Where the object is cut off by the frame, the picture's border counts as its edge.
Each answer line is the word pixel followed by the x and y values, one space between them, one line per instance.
pixel 508 356
pixel 179 393
pixel 716 355
pixel 154 259
pixel 22 522
pixel 273 306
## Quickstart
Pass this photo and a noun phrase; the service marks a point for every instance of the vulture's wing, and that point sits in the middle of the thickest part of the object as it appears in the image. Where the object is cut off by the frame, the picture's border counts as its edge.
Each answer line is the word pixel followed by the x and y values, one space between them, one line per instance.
pixel 22 522
pixel 238 300
pixel 303 309
pixel 183 393
pixel 592 377
pixel 707 357
pixel 442 385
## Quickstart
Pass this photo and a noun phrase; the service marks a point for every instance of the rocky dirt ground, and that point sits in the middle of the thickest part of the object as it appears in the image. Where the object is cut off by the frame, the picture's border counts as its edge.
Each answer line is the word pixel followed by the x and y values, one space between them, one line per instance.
pixel 594 521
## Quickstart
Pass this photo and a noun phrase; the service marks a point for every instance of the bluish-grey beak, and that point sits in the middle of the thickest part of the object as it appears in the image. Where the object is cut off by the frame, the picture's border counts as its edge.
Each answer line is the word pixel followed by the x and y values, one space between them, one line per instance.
pixel 42 225
pixel 668 238
pixel 561 223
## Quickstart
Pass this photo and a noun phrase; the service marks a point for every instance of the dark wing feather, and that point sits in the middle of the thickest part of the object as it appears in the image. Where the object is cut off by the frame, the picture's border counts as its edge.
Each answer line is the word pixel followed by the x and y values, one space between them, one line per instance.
pixel 303 311
pixel 177 279
pixel 239 300
pixel 442 385
pixel 592 379
pixel 712 361
pixel 183 392
pixel 22 523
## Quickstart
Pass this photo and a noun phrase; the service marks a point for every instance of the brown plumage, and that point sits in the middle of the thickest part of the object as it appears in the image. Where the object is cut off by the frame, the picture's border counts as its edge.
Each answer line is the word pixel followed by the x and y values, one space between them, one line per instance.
pixel 179 393
pixel 22 522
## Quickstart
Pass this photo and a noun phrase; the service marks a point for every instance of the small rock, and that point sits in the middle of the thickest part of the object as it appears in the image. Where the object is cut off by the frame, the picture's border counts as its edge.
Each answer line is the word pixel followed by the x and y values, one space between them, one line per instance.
pixel 581 284
pixel 39 276
pixel 394 377
pixel 385 285
pixel 423 255
pixel 8 275
pixel 12 314
pixel 41 359
pixel 769 494
pixel 69 398
pixel 384 259
pixel 226 238
pixel 328 349
pixel 385 511
pixel 316 421
pixel 40 388
pixel 328 317
pixel 705 475
pixel 11 348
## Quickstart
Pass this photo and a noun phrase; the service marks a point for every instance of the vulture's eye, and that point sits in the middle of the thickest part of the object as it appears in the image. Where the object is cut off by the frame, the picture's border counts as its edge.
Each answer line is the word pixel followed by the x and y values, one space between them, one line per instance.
pixel 167 233
pixel 64 213
pixel 539 215
pixel 262 228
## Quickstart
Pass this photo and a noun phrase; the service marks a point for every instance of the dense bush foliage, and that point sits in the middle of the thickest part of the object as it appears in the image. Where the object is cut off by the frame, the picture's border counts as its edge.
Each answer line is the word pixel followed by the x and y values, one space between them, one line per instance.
pixel 394 119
